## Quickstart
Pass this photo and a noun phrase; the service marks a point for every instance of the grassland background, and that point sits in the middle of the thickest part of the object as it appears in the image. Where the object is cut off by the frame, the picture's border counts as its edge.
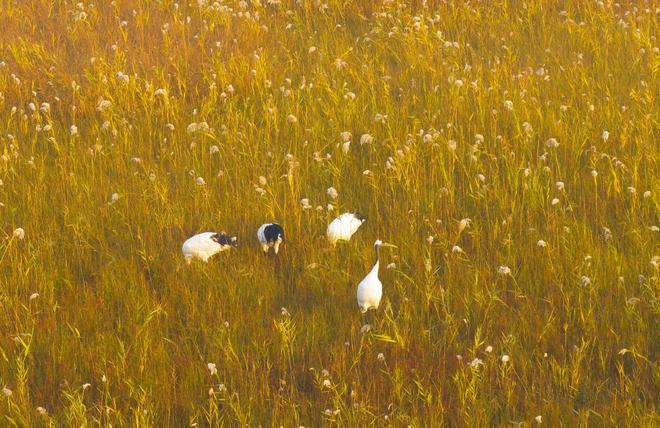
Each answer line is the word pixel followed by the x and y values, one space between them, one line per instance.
pixel 121 331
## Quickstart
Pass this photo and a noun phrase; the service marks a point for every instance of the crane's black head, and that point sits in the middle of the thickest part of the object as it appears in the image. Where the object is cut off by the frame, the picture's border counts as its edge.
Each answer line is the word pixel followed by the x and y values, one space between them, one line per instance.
pixel 274 233
pixel 222 239
pixel 360 216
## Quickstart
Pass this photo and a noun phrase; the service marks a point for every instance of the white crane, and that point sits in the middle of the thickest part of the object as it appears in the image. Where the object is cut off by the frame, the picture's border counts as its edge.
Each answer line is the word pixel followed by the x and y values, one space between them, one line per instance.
pixel 270 235
pixel 370 289
pixel 204 245
pixel 344 226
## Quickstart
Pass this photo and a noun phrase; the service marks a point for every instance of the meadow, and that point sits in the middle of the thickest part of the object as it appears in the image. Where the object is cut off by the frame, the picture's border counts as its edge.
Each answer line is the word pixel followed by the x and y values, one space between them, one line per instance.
pixel 510 150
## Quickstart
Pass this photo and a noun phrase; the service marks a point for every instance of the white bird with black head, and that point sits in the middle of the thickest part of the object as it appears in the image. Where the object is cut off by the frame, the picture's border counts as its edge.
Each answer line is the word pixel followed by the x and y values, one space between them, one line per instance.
pixel 344 226
pixel 270 235
pixel 205 245
pixel 370 289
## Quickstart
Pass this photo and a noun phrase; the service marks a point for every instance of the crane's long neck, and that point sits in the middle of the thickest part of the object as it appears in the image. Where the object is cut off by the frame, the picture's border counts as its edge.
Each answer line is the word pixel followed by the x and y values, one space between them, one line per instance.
pixel 375 268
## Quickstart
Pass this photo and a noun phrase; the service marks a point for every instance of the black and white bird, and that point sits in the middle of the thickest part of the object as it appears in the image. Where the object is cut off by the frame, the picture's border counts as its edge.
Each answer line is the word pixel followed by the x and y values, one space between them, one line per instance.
pixel 370 289
pixel 204 245
pixel 344 226
pixel 270 235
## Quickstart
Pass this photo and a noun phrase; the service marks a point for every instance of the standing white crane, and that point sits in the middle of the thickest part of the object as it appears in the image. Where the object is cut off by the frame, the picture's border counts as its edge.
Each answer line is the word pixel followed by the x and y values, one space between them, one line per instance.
pixel 270 235
pixel 370 289
pixel 204 245
pixel 344 226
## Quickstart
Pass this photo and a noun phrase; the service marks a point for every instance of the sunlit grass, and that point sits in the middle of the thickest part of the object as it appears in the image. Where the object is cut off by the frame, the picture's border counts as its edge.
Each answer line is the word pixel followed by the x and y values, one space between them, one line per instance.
pixel 509 150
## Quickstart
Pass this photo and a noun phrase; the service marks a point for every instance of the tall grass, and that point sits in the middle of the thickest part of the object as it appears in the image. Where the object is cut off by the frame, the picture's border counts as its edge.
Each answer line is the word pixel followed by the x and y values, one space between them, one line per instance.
pixel 487 123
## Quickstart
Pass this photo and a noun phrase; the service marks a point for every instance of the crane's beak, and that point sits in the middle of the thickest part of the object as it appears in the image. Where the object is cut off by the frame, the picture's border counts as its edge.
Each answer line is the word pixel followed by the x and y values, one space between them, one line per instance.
pixel 385 244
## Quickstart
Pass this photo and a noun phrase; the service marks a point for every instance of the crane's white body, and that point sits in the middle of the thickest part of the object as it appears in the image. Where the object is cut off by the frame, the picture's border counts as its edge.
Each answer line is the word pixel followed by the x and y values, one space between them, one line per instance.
pixel 261 236
pixel 343 227
pixel 202 246
pixel 370 290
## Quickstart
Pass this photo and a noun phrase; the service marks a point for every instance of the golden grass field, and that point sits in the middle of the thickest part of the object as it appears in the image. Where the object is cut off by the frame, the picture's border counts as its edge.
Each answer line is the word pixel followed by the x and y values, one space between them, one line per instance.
pixel 510 149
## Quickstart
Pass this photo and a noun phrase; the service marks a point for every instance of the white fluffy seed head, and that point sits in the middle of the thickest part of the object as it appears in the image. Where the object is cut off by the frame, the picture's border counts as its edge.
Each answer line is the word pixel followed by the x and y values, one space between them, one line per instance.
pixel 332 193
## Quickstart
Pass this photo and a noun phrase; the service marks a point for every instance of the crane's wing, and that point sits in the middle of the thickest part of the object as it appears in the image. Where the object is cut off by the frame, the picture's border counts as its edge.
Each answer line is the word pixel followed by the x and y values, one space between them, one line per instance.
pixel 201 243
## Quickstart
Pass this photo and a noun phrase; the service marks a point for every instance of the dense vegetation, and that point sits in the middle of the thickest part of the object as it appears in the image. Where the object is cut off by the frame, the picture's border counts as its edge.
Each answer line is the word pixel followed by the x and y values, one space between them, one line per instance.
pixel 509 149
